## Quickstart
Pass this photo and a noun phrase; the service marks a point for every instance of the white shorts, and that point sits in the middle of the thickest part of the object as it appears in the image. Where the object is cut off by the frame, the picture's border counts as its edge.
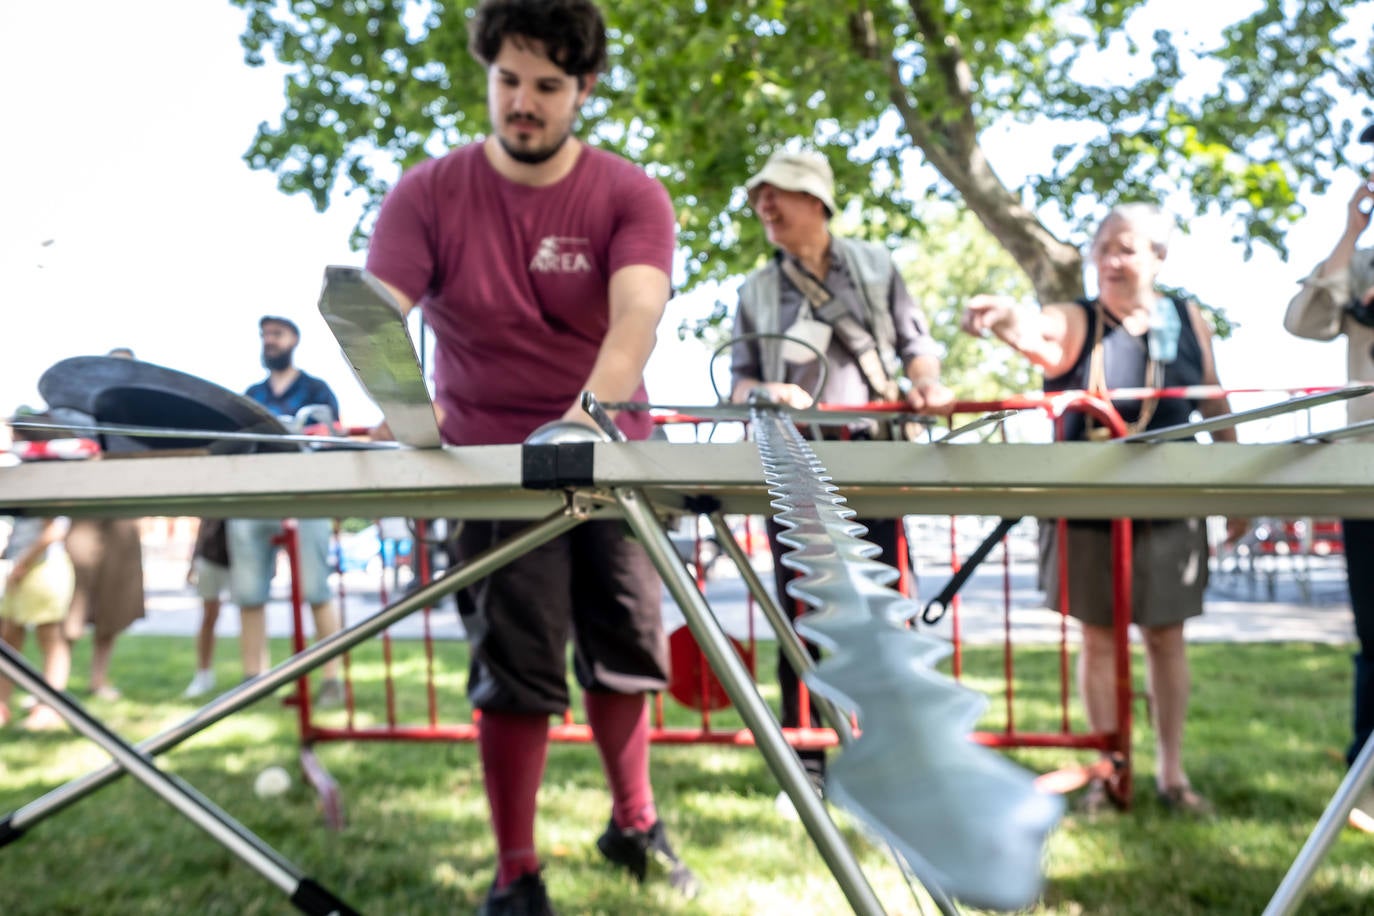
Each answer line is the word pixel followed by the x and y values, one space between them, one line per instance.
pixel 212 580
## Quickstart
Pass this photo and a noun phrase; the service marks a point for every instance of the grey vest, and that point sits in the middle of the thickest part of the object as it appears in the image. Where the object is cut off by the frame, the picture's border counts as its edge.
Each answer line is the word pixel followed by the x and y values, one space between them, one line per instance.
pixel 871 267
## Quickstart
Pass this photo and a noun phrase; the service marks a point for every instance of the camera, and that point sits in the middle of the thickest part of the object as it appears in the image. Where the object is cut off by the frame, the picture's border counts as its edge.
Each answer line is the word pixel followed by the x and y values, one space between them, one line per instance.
pixel 1363 312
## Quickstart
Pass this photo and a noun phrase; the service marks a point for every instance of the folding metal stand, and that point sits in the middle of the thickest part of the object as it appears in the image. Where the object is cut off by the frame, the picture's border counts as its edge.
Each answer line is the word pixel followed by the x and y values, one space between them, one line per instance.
pixel 780 757
pixel 1299 876
pixel 306 894
pixel 1009 479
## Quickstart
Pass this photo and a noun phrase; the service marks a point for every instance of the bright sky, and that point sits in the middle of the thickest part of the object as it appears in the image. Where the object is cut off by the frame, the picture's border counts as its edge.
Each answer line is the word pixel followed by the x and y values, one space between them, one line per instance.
pixel 128 217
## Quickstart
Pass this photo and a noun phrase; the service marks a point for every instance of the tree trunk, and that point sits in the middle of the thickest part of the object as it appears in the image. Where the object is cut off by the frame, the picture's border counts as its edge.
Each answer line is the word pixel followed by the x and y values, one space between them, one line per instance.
pixel 950 145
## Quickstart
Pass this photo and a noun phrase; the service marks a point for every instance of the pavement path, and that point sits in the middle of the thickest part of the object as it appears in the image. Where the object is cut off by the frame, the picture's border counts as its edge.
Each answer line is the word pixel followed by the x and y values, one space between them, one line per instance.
pixel 1278 603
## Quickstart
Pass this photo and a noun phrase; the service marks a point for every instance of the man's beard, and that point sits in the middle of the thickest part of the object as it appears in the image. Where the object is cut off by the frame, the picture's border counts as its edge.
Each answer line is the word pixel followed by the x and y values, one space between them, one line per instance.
pixel 279 362
pixel 532 156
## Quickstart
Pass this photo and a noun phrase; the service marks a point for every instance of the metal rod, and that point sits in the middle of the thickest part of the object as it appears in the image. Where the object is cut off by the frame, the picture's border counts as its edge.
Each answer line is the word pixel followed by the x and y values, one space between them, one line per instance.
pixel 164 432
pixel 985 420
pixel 801 416
pixel 1294 884
pixel 1331 435
pixel 777 753
pixel 788 641
pixel 1021 402
pixel 249 692
pixel 1226 421
pixel 199 810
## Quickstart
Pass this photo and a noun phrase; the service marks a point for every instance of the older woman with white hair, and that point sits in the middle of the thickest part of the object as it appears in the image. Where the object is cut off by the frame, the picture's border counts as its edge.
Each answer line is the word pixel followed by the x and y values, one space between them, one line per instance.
pixel 1129 336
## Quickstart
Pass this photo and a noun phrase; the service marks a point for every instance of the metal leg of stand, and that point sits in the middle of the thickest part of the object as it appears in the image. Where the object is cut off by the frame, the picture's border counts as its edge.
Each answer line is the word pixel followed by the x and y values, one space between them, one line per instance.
pixel 1294 884
pixel 248 693
pixel 788 640
pixel 778 754
pixel 196 808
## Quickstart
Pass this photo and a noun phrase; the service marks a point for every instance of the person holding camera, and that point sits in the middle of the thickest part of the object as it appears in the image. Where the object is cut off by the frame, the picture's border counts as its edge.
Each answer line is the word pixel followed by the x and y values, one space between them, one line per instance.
pixel 1338 298
pixel 843 298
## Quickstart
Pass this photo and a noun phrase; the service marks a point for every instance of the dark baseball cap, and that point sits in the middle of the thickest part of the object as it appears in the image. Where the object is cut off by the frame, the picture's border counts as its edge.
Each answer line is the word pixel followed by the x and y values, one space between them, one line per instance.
pixel 1367 135
pixel 277 319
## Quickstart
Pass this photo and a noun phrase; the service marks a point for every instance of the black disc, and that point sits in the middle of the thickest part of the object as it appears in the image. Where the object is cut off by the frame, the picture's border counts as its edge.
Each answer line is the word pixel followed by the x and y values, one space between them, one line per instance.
pixel 127 392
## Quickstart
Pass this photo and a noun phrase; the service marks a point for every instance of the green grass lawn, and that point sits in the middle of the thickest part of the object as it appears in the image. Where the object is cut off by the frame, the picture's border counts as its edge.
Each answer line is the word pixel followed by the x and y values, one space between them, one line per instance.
pixel 1264 744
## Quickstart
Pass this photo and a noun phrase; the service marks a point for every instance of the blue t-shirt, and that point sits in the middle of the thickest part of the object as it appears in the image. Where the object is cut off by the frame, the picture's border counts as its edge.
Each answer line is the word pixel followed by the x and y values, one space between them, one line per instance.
pixel 303 392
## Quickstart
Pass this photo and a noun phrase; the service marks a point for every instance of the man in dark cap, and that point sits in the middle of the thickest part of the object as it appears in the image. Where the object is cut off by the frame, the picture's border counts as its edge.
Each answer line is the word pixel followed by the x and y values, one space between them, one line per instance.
pixel 252 556
pixel 287 389
pixel 1338 298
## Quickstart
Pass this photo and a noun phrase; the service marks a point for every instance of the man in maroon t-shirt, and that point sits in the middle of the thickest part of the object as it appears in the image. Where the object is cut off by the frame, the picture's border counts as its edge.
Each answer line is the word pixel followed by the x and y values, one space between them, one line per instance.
pixel 542 265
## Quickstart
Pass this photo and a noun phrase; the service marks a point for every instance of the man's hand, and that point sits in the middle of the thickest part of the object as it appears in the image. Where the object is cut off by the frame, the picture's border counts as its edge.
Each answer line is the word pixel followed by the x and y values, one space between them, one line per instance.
pixel 576 414
pixel 1358 213
pixel 1236 528
pixel 785 394
pixel 930 395
pixel 985 313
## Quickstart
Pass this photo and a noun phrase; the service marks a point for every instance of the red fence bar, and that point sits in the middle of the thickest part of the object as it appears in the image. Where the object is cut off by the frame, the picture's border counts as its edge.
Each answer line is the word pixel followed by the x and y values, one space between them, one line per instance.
pixel 807 736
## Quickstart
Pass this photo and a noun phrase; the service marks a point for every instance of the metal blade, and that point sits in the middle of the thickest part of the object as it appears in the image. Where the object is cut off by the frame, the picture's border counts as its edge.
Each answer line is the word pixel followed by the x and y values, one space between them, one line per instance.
pixel 966 819
pixel 1226 421
pixel 1364 428
pixel 368 324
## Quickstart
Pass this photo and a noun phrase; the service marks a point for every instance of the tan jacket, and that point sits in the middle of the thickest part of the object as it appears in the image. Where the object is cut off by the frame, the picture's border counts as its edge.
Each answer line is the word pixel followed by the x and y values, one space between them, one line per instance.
pixel 1318 312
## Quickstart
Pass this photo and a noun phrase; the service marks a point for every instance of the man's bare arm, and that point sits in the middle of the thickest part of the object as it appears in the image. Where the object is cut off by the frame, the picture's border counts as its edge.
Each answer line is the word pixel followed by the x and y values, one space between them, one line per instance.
pixel 638 295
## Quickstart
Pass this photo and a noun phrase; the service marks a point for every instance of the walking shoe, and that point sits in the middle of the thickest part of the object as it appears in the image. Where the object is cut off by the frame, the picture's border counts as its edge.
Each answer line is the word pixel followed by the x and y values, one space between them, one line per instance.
pixel 635 849
pixel 330 694
pixel 1183 800
pixel 201 683
pixel 525 896
pixel 783 802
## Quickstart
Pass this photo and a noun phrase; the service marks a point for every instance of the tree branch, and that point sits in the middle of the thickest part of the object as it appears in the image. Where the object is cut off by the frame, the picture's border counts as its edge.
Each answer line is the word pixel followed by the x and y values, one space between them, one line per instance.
pixel 950 145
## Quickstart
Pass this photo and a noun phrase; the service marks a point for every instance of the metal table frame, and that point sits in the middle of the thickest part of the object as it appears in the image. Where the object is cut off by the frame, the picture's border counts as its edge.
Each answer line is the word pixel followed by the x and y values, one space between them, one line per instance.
pixel 637 480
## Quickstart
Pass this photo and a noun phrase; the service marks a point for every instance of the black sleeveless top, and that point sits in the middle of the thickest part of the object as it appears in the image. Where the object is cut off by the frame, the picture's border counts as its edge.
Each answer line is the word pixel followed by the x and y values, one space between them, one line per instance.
pixel 1125 359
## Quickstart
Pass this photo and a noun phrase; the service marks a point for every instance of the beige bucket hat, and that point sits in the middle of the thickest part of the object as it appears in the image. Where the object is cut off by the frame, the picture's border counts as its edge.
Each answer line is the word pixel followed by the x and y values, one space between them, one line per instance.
pixel 805 171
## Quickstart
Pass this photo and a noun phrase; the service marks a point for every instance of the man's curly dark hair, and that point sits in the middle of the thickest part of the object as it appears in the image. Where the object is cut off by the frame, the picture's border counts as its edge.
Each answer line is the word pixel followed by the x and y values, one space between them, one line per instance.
pixel 572 32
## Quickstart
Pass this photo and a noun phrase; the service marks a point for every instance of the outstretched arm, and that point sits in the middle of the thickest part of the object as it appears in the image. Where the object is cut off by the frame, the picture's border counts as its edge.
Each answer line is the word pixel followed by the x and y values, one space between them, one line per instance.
pixel 1316 312
pixel 1053 338
pixel 1236 527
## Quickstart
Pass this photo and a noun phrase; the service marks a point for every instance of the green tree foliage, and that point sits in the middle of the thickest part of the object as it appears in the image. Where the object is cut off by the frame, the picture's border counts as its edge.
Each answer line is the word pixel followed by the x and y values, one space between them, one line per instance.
pixel 953 259
pixel 704 91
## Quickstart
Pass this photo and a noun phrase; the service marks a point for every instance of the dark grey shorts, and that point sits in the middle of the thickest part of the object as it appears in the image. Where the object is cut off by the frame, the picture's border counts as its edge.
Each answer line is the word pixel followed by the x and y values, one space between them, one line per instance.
pixel 593 585
pixel 1170 570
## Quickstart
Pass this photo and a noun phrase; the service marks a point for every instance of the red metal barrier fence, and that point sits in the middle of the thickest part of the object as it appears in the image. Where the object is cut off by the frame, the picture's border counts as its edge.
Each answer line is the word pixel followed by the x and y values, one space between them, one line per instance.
pixel 388 718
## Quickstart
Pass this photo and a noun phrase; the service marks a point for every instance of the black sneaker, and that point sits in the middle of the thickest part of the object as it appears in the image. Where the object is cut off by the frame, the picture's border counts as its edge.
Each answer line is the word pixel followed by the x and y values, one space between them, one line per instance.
pixel 525 896
pixel 635 849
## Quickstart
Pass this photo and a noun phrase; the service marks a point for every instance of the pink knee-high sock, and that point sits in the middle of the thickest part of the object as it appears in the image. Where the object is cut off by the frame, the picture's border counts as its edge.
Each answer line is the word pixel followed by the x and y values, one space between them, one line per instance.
pixel 620 724
pixel 514 748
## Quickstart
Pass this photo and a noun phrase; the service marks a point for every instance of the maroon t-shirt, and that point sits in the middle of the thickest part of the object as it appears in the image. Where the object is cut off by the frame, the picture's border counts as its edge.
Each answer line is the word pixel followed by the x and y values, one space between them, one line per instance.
pixel 514 280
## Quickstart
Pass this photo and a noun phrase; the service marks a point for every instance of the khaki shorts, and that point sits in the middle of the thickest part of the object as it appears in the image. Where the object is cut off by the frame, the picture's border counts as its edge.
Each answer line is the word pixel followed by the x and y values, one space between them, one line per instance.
pixel 1169 570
